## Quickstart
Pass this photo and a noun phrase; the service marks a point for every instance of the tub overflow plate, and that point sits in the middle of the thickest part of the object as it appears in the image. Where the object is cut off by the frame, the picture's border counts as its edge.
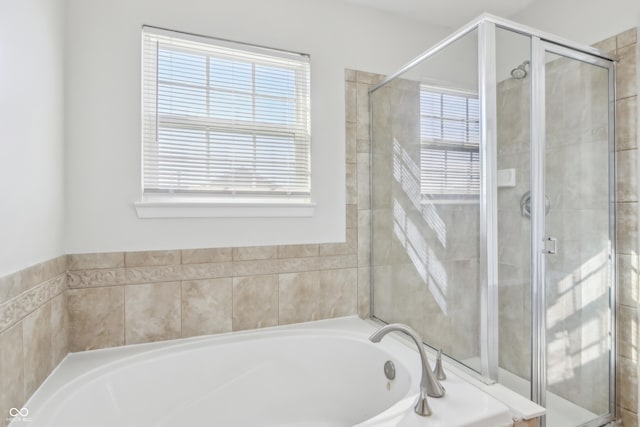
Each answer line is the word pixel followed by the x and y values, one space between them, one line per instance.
pixel 389 370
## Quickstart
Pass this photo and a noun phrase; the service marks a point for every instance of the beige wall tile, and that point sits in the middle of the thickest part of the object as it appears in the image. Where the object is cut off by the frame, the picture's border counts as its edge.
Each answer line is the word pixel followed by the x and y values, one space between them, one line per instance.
pixel 628 280
pixel 151 258
pixel 348 247
pixel 364 238
pixel 255 252
pixel 350 101
pixel 527 423
pixel 297 251
pixel 96 278
pixel 627 383
pixel 628 418
pixel 363 145
pixel 16 309
pixel 352 216
pixel 292 265
pixel 37 348
pixel 97 260
pixel 299 297
pixel 11 371
pixel 363 180
pixel 255 302
pixel 206 306
pixel 96 318
pixel 626 123
pixel 627 332
pixel 352 183
pixel 59 329
pixel 257 267
pixel 627 188
pixel 350 75
pixel 350 143
pixel 627 228
pixel 164 273
pixel 607 45
pixel 152 312
pixel 626 72
pixel 207 271
pixel 199 256
pixel 364 292
pixel 10 286
pixel 338 293
pixel 368 78
pixel 362 111
pixel 627 38
pixel 333 262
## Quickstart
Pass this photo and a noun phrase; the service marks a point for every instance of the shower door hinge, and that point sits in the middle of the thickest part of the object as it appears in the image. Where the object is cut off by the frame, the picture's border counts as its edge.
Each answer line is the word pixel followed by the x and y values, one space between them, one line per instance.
pixel 554 249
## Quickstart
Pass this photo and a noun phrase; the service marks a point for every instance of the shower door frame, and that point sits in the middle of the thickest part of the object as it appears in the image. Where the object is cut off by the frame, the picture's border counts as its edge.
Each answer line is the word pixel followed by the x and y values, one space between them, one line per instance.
pixel 541 42
pixel 539 48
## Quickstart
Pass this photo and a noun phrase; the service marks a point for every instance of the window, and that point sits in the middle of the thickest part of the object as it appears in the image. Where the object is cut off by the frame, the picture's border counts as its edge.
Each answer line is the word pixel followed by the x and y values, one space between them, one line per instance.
pixel 450 142
pixel 223 121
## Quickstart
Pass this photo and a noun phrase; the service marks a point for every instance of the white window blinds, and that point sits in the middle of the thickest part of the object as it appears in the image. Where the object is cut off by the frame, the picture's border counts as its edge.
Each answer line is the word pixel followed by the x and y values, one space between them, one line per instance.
pixel 450 142
pixel 224 119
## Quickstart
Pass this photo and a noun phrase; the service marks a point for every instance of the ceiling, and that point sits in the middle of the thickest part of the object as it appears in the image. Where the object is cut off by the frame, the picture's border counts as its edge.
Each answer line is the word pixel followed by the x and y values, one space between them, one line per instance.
pixel 448 13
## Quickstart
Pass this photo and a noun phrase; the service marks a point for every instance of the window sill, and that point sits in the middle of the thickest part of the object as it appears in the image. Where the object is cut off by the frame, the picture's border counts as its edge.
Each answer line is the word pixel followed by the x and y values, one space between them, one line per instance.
pixel 170 208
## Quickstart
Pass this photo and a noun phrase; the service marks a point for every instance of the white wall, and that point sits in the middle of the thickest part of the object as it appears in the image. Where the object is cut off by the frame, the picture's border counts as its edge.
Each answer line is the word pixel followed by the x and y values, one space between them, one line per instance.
pixel 103 110
pixel 31 132
pixel 583 21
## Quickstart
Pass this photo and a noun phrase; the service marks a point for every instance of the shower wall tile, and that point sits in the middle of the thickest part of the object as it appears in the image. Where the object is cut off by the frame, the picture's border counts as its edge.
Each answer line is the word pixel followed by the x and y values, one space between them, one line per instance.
pixel 627 228
pixel 627 71
pixel 627 170
pixel 350 143
pixel 626 123
pixel 627 38
pixel 628 383
pixel 152 312
pixel 628 280
pixel 96 318
pixel 608 45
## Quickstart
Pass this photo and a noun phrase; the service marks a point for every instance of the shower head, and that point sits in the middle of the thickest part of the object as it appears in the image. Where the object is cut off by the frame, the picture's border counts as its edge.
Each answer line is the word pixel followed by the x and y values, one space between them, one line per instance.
pixel 520 72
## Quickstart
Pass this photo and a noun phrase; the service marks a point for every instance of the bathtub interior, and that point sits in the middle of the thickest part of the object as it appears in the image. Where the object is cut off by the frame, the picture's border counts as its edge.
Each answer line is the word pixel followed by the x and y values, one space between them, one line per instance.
pixel 311 379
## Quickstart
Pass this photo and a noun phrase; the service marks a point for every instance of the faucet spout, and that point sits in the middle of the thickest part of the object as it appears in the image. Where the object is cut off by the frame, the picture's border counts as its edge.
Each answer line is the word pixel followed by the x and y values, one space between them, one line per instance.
pixel 429 385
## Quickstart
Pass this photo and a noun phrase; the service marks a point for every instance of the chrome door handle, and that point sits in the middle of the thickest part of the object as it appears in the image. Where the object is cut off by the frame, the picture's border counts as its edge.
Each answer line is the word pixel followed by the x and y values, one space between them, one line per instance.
pixel 552 251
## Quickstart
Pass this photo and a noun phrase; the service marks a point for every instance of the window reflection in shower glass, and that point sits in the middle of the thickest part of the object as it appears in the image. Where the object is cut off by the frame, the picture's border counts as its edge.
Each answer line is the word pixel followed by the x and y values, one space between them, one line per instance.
pixel 425 248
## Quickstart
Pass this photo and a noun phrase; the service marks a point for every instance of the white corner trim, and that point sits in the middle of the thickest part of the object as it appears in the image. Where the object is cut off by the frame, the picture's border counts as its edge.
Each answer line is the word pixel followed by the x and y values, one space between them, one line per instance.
pixel 223 209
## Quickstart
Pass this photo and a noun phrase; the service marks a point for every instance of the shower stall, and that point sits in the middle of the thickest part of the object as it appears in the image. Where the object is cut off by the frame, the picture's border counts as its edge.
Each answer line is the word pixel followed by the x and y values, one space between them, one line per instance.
pixel 492 200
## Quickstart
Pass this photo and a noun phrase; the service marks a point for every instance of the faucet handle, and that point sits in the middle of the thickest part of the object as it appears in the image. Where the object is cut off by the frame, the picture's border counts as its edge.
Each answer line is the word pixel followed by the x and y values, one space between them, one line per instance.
pixel 439 370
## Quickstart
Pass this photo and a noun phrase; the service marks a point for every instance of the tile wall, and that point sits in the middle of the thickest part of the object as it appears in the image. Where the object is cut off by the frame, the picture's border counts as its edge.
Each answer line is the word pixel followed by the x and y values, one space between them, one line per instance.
pixel 33 330
pixel 626 46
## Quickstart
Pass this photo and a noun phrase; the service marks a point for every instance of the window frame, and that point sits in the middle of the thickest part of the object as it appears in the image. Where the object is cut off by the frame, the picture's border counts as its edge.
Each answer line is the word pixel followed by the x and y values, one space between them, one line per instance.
pixel 231 202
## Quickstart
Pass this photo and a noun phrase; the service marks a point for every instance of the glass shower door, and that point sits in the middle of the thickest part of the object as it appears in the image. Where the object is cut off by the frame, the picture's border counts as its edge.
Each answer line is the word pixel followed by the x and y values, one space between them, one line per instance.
pixel 577 236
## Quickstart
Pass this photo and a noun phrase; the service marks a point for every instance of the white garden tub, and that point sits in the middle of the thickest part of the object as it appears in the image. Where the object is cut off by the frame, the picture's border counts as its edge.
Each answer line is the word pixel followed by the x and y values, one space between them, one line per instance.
pixel 320 374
